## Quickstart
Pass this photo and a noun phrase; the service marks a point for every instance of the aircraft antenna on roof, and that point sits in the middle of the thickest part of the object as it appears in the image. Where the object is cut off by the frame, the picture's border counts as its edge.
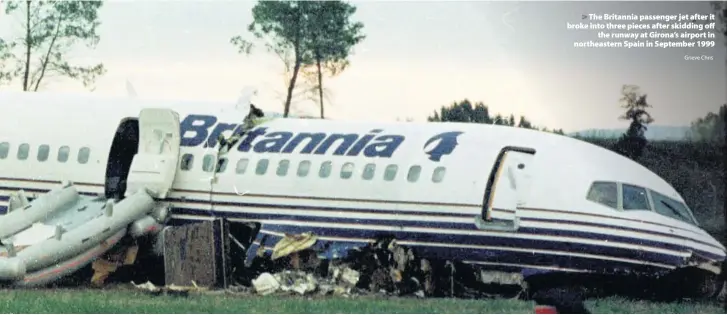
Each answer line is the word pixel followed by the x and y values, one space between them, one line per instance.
pixel 130 89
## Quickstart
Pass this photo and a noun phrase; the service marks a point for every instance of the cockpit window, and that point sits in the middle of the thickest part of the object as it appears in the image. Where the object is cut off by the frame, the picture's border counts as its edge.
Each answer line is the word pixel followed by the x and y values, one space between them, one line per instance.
pixel 605 193
pixel 671 208
pixel 634 198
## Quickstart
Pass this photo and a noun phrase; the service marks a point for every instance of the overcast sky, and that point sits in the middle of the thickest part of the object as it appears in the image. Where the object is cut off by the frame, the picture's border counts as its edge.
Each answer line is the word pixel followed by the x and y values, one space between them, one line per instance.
pixel 517 57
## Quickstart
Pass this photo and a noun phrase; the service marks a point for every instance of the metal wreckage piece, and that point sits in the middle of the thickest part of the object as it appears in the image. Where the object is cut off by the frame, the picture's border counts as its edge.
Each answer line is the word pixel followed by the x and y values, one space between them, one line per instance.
pixel 297 264
pixel 382 267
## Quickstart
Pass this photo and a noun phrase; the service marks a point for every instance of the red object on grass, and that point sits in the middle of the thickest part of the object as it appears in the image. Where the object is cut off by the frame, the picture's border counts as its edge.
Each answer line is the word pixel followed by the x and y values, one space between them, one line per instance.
pixel 545 309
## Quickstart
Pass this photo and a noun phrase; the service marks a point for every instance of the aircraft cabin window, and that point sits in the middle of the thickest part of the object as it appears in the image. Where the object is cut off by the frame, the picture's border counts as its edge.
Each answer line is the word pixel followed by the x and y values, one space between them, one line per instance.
pixel 23 151
pixel 634 198
pixel 83 155
pixel 186 162
pixel 390 172
pixel 241 166
pixel 414 173
pixel 347 170
pixel 208 163
pixel 222 165
pixel 4 150
pixel 605 193
pixel 303 168
pixel 671 208
pixel 325 170
pixel 262 167
pixel 438 174
pixel 369 171
pixel 283 167
pixel 43 152
pixel 63 153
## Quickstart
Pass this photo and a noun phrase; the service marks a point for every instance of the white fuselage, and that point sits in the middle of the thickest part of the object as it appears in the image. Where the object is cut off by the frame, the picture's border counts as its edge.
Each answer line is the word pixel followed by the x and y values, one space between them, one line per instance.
pixel 439 187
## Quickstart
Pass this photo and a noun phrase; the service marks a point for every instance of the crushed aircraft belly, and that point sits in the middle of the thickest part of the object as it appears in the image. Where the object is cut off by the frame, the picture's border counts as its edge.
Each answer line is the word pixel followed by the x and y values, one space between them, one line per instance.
pixel 299 263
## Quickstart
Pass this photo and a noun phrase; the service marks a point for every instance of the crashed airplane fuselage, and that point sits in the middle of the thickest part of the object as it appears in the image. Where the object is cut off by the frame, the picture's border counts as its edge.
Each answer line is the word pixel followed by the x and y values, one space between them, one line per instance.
pixel 502 198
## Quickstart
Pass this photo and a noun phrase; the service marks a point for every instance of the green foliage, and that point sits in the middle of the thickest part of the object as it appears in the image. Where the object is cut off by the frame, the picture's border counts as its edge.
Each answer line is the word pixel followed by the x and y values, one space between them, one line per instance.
pixel 464 111
pixel 5 55
pixel 635 104
pixel 633 142
pixel 720 9
pixel 524 123
pixel 710 128
pixel 331 37
pixel 303 34
pixel 281 24
pixel 52 28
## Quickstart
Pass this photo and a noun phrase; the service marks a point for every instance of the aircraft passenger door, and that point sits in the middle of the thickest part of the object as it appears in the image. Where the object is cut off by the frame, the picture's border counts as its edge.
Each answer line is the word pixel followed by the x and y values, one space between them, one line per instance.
pixel 155 164
pixel 507 189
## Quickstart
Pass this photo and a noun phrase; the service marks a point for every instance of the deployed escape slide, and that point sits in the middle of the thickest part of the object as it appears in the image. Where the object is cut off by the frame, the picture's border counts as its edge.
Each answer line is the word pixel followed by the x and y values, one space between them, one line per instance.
pixel 62 231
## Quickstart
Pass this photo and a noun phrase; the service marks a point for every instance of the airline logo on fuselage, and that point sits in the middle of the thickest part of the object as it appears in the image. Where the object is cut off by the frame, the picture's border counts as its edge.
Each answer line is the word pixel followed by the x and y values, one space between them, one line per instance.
pixel 204 130
pixel 441 145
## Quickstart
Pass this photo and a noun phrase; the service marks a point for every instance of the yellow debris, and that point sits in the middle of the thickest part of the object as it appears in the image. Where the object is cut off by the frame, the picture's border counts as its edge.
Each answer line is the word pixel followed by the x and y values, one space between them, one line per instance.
pixel 131 253
pixel 293 243
pixel 102 269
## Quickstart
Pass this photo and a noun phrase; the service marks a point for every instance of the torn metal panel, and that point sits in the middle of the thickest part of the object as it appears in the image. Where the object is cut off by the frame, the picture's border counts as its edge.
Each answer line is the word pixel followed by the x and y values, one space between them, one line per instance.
pixel 197 253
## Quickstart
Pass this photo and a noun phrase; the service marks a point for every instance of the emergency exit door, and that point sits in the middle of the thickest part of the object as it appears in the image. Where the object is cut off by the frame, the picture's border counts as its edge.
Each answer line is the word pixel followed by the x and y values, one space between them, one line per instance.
pixel 155 165
pixel 507 188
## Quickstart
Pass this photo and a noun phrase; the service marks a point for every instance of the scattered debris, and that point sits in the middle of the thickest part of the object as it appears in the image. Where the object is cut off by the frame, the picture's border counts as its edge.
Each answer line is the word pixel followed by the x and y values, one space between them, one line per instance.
pixel 382 267
pixel 266 284
pixel 172 290
pixel 104 267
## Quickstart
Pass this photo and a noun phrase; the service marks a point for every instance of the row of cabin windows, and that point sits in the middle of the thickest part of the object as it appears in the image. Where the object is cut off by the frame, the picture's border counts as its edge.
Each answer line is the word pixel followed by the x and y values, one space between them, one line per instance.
pixel 44 152
pixel 304 168
pixel 630 197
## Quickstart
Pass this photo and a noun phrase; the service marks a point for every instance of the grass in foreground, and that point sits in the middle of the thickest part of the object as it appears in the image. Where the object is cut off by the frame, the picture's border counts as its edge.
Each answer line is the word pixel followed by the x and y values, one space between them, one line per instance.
pixel 122 301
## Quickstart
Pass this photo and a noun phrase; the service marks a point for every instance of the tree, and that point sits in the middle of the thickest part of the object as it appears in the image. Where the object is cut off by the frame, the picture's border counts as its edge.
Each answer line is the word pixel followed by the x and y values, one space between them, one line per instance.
pixel 51 29
pixel 463 111
pixel 720 8
pixel 633 142
pixel 331 37
pixel 284 27
pixel 524 123
pixel 710 128
pixel 5 55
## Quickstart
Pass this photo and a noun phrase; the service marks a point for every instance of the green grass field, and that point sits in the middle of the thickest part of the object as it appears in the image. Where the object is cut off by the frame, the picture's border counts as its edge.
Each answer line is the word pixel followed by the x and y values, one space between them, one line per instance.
pixel 124 301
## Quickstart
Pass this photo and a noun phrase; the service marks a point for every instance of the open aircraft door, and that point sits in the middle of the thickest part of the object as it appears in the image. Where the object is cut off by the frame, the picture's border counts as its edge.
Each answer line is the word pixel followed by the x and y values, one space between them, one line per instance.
pixel 507 189
pixel 155 165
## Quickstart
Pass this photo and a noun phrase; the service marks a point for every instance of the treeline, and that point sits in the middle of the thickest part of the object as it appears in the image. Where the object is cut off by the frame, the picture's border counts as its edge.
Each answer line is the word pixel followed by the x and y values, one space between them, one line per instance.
pixel 465 111
pixel 710 128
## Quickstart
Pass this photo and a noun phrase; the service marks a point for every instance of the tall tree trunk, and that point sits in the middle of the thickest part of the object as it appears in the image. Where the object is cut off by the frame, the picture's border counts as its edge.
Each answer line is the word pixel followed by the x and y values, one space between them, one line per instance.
pixel 291 86
pixel 28 42
pixel 298 62
pixel 44 65
pixel 320 83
